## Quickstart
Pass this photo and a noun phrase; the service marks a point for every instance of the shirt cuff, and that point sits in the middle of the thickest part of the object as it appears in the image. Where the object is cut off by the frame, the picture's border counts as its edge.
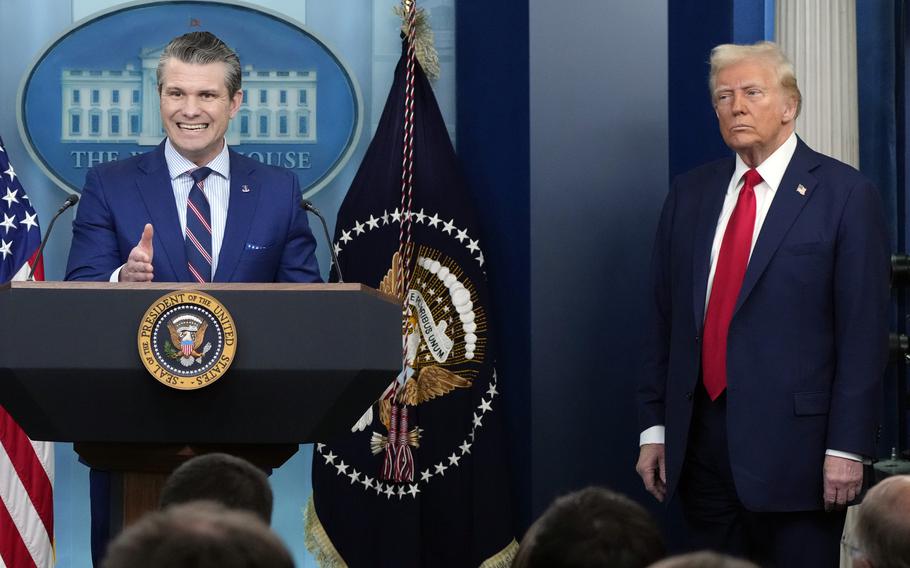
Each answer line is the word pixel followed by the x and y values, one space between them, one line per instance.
pixel 848 455
pixel 115 275
pixel 653 435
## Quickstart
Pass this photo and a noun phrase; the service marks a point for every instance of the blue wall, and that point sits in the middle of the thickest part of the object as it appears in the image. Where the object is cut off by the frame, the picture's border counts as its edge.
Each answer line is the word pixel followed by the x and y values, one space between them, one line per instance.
pixel 696 27
pixel 880 129
pixel 571 195
pixel 598 88
pixel 493 128
pixel 18 20
pixel 694 138
pixel 568 156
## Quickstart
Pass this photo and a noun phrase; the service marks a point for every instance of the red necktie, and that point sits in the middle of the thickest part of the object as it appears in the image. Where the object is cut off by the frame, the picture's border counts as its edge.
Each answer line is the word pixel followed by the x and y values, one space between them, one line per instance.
pixel 728 279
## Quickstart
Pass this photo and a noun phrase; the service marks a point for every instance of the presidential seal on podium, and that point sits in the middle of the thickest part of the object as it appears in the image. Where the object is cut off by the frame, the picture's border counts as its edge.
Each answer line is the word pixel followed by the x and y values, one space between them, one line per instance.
pixel 187 340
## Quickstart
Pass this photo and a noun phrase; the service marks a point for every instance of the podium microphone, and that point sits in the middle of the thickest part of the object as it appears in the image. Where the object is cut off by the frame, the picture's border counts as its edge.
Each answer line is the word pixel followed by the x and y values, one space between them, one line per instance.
pixel 307 205
pixel 70 201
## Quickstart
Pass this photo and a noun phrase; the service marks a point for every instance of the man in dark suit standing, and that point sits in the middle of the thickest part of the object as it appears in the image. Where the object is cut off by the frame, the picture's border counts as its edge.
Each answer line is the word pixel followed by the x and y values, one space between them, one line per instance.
pixel 768 330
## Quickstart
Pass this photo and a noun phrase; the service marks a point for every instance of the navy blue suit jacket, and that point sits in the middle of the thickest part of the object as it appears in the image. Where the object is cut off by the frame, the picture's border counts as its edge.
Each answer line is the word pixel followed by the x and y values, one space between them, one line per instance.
pixel 807 345
pixel 266 237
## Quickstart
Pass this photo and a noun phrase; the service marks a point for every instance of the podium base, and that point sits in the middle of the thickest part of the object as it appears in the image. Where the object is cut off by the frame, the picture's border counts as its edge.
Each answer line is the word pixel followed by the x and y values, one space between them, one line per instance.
pixel 138 471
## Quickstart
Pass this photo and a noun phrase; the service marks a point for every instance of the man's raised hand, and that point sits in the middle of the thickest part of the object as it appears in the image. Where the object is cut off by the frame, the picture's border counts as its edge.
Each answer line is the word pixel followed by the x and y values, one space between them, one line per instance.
pixel 138 267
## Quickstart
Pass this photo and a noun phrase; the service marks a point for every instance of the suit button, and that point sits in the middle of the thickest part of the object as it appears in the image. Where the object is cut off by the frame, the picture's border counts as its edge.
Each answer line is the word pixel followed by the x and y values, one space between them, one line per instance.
pixel 689 395
pixel 697 339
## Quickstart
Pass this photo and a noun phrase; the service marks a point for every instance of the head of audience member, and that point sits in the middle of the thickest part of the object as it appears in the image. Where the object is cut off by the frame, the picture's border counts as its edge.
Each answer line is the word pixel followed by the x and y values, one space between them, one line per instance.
pixel 591 528
pixel 229 480
pixel 756 98
pixel 703 559
pixel 202 534
pixel 882 532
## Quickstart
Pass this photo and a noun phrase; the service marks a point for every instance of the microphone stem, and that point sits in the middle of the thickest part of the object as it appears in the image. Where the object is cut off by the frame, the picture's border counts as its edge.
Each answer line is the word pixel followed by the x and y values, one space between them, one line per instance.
pixel 31 273
pixel 325 229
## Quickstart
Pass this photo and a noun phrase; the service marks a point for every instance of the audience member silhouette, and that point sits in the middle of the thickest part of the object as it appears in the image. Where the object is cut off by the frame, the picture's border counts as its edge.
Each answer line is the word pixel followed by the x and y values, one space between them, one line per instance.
pixel 202 534
pixel 882 531
pixel 229 480
pixel 703 559
pixel 591 528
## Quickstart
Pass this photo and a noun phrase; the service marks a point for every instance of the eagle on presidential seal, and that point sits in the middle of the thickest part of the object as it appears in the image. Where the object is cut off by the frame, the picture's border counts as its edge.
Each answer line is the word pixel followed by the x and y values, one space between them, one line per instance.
pixel 187 334
pixel 429 343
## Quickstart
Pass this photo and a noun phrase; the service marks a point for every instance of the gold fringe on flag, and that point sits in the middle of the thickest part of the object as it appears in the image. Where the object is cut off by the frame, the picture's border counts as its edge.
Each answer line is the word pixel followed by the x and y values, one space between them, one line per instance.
pixel 503 558
pixel 424 45
pixel 320 545
pixel 317 541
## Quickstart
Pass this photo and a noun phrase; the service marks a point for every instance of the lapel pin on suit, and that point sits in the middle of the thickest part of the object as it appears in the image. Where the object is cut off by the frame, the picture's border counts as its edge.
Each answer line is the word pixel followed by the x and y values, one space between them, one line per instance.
pixel 800 189
pixel 246 189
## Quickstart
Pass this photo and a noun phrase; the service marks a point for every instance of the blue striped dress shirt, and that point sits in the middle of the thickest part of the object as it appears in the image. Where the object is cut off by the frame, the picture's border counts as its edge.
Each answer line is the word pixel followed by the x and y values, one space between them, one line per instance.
pixel 217 191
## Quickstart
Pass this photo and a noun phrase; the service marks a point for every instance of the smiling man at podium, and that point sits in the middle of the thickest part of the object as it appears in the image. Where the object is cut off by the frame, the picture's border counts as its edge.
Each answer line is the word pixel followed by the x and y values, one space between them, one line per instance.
pixel 191 210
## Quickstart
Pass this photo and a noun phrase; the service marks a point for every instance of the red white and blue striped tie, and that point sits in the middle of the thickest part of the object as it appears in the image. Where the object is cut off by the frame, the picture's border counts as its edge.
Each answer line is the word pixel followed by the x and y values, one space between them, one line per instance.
pixel 198 241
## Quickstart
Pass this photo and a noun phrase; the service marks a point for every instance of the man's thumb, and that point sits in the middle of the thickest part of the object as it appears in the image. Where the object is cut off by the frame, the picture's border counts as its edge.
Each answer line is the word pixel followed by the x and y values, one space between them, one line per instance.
pixel 145 243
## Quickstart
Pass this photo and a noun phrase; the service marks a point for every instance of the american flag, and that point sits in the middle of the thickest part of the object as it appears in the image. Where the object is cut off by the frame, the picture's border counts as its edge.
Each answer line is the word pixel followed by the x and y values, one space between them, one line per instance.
pixel 26 467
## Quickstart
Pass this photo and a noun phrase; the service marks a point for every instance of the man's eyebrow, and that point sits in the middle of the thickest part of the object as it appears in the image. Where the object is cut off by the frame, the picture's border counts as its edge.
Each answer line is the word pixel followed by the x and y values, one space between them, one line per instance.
pixel 743 87
pixel 749 85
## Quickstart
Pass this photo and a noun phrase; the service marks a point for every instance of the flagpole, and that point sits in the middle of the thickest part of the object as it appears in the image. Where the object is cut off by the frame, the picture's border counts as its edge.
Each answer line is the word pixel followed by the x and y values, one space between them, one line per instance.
pixel 445 357
pixel 398 461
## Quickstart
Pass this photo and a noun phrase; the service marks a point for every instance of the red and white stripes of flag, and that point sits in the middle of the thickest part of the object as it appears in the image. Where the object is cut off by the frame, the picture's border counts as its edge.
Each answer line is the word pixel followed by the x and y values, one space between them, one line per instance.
pixel 26 489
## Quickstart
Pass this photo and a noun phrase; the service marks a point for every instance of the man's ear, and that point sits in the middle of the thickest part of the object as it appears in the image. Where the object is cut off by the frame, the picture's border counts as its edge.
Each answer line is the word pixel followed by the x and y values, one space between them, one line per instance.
pixel 236 100
pixel 790 110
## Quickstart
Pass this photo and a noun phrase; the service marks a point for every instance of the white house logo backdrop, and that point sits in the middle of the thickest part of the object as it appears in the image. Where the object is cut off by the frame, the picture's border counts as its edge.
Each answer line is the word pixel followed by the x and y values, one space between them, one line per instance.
pixel 92 97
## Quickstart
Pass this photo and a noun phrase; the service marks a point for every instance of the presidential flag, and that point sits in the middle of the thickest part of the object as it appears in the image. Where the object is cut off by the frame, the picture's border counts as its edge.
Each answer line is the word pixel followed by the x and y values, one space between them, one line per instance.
pixel 26 467
pixel 421 479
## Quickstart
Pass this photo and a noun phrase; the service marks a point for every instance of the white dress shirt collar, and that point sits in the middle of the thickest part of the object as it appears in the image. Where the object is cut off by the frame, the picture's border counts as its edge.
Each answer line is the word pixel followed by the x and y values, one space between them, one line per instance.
pixel 772 169
pixel 177 165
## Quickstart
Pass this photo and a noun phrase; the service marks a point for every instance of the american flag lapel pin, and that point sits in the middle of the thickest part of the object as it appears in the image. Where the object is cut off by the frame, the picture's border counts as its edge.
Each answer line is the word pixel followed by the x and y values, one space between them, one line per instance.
pixel 246 189
pixel 800 189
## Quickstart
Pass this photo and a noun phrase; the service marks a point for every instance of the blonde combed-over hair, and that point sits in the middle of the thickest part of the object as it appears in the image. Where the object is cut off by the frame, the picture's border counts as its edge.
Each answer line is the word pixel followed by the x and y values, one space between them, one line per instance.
pixel 728 54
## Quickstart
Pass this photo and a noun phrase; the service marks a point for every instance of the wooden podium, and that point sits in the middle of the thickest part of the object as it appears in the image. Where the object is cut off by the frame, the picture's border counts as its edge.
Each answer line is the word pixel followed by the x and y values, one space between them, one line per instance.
pixel 310 359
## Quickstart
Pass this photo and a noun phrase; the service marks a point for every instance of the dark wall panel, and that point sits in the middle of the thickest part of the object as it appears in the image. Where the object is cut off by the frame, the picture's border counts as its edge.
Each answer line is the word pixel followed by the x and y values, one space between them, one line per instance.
pixel 881 45
pixel 694 28
pixel 492 90
pixel 598 91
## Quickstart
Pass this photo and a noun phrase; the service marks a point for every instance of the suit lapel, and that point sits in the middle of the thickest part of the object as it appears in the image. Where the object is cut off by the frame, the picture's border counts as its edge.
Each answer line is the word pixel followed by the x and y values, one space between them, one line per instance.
pixel 712 202
pixel 784 210
pixel 245 194
pixel 154 183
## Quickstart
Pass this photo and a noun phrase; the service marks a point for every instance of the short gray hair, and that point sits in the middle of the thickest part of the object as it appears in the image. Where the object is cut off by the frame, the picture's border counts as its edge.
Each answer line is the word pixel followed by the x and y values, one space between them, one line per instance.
pixel 201 48
pixel 881 526
pixel 728 54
